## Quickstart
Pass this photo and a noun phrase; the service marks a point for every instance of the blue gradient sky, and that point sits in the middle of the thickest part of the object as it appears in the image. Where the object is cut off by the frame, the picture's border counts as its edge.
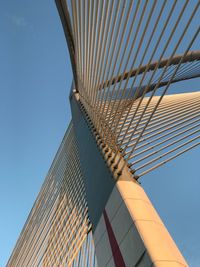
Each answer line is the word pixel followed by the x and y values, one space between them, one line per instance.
pixel 35 77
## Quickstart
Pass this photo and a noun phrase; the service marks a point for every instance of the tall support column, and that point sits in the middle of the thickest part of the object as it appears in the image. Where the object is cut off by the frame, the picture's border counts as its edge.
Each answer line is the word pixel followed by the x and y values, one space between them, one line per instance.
pixel 127 229
pixel 131 233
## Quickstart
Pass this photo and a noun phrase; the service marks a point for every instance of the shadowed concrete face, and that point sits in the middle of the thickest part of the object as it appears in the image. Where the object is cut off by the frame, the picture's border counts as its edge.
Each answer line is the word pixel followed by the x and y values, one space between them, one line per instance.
pixel 97 177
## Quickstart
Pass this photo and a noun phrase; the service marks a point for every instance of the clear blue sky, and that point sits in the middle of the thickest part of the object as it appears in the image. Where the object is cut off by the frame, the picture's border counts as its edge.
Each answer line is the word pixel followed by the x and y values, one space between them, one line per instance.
pixel 35 77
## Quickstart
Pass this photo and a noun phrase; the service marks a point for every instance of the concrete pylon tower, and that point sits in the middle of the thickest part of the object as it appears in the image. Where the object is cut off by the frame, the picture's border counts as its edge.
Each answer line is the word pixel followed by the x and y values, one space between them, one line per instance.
pixel 127 230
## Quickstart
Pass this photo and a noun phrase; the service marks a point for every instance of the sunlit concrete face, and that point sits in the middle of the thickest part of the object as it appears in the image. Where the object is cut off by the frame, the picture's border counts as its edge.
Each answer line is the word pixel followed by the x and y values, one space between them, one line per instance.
pixel 130 232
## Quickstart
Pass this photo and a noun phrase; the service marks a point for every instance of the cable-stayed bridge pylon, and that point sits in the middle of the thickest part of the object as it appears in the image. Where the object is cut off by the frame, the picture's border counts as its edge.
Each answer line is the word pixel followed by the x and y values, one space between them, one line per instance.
pixel 126 56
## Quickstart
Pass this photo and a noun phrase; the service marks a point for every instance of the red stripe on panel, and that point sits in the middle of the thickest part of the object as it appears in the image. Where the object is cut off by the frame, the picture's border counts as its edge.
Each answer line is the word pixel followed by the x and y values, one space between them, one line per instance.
pixel 117 256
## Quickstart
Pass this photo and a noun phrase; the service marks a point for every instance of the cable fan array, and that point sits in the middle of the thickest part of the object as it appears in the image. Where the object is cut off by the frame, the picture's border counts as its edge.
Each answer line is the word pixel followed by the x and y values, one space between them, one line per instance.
pixel 125 56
